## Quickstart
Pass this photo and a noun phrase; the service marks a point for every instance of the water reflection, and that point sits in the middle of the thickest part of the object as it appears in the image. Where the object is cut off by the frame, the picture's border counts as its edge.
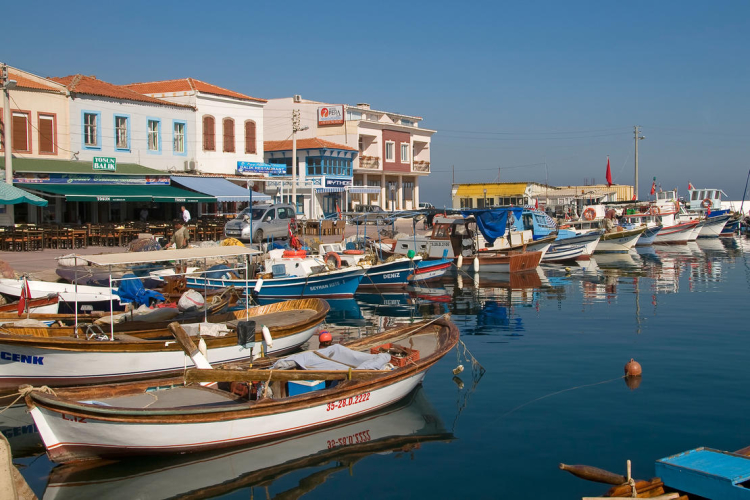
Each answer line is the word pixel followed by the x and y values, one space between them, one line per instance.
pixel 313 457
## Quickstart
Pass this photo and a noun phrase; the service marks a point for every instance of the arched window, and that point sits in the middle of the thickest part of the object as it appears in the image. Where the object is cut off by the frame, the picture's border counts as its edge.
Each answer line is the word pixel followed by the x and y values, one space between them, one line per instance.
pixel 209 133
pixel 228 129
pixel 250 137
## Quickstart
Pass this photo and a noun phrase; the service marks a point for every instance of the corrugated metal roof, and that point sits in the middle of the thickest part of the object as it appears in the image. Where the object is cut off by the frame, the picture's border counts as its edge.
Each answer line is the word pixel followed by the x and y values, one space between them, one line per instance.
pixel 493 189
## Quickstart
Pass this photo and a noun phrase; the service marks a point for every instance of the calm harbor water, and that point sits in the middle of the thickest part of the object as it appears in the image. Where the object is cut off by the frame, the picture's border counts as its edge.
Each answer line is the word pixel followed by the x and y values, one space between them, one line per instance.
pixel 553 344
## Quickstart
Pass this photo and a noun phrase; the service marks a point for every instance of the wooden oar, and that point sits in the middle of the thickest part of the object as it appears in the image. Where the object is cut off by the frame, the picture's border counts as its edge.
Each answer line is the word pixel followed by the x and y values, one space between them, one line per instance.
pixel 189 346
pixel 193 375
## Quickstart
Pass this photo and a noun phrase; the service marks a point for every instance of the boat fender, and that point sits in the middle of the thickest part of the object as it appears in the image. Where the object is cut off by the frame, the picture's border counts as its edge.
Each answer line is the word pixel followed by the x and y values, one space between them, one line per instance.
pixel 633 368
pixel 460 262
pixel 267 336
pixel 332 259
pixel 589 214
pixel 476 264
pixel 258 285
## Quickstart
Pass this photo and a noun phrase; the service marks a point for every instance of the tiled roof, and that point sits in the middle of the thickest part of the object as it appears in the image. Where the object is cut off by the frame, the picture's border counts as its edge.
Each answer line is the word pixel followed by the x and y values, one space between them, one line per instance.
pixel 24 82
pixel 89 85
pixel 314 143
pixel 186 85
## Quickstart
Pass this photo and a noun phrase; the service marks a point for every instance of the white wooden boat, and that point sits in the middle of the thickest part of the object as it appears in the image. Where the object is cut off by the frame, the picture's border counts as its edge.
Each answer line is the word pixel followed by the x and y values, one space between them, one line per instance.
pixel 65 361
pixel 675 234
pixel 619 240
pixel 504 262
pixel 96 296
pixel 562 253
pixel 136 418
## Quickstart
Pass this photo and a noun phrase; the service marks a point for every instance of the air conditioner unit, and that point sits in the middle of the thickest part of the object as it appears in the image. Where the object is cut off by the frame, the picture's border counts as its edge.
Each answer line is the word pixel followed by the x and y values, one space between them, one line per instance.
pixel 297 98
pixel 190 166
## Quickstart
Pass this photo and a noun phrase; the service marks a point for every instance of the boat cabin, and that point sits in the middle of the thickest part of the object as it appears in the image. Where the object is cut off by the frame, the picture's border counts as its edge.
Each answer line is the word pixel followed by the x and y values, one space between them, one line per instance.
pixel 702 199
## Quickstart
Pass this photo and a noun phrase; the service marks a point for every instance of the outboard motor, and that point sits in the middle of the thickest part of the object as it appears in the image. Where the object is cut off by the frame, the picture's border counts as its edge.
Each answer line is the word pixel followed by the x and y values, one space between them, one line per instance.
pixel 246 333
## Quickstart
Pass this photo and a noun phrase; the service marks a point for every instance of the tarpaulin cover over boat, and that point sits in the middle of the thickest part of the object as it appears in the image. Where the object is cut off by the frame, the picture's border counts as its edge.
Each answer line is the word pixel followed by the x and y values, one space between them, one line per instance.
pixel 131 290
pixel 344 358
pixel 492 223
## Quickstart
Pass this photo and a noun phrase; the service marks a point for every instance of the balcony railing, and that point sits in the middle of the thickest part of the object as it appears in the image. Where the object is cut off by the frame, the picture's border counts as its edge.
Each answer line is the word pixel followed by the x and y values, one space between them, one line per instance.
pixel 371 162
pixel 421 166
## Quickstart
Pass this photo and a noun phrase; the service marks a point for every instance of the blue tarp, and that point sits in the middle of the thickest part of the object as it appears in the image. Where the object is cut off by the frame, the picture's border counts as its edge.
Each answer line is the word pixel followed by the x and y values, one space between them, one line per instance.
pixel 132 290
pixel 219 188
pixel 493 223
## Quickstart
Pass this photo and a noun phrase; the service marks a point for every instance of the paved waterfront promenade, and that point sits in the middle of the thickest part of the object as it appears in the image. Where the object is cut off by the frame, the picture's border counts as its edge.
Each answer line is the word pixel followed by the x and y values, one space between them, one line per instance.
pixel 41 264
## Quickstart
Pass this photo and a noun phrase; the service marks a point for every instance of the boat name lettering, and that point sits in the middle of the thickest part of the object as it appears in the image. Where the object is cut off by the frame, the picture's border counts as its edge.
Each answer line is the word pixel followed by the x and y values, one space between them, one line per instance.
pixel 343 403
pixel 358 438
pixel 324 286
pixel 21 358
pixel 391 275
pixel 73 418
pixel 19 431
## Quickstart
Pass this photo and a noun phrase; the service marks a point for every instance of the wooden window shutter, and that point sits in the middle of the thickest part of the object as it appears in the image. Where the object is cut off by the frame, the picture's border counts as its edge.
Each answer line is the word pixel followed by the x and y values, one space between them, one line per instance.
pixel 209 139
pixel 46 134
pixel 250 137
pixel 228 128
pixel 20 133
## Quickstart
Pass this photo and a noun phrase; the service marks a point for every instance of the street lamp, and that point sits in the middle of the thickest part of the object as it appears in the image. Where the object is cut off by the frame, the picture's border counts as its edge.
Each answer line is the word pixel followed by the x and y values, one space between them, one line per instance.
pixel 485 197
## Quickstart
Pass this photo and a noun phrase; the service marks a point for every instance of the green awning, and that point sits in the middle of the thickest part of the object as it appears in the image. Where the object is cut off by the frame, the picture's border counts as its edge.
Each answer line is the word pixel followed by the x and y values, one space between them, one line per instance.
pixel 11 195
pixel 45 166
pixel 120 192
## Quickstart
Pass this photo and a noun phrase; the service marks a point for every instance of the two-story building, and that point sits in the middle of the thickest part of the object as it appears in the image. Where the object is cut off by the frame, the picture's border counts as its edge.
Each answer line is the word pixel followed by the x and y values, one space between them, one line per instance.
pixel 393 152
pixel 39 130
pixel 227 125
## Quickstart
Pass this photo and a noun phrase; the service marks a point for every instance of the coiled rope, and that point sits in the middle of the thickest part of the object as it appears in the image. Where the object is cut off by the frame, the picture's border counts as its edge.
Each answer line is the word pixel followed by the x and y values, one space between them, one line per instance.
pixel 25 390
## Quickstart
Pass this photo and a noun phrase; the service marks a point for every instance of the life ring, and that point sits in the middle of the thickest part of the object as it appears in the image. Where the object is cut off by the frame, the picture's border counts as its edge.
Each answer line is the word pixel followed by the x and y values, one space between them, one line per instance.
pixel 334 259
pixel 589 214
pixel 294 253
pixel 655 210
pixel 706 203
pixel 353 252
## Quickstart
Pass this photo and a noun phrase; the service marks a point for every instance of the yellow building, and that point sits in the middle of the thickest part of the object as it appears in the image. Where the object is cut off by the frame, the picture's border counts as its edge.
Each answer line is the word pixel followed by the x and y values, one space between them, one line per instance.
pixel 494 194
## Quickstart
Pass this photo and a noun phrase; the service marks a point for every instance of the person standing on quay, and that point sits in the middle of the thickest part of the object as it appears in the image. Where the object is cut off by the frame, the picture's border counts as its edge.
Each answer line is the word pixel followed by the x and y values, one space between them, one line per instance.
pixel 185 214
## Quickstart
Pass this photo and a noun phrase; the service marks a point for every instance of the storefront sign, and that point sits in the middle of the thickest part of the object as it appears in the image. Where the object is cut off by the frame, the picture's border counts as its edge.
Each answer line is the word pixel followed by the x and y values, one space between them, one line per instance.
pixel 251 167
pixel 105 163
pixel 335 183
pixel 330 115
pixel 149 180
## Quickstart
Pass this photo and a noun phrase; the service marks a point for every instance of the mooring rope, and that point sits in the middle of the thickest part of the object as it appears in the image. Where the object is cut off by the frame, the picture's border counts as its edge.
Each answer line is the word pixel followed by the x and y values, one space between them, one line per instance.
pixel 24 390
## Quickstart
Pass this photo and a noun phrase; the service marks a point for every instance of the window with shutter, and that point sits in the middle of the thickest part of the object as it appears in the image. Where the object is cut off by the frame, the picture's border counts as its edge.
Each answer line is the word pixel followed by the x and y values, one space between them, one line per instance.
pixel 250 137
pixel 209 133
pixel 46 134
pixel 20 132
pixel 228 128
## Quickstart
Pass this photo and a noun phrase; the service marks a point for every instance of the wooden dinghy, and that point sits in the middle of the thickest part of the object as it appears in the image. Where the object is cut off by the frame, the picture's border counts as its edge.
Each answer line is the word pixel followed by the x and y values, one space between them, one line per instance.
pixel 149 321
pixel 401 427
pixel 506 262
pixel 41 305
pixel 137 418
pixel 65 361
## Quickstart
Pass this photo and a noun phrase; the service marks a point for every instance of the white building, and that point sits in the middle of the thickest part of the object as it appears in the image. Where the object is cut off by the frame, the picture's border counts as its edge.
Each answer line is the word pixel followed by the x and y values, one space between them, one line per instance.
pixel 227 127
pixel 393 151
pixel 108 120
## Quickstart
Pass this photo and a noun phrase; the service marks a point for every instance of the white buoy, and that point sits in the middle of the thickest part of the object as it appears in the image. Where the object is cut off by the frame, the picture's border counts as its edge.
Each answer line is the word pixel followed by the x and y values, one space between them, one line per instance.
pixel 460 262
pixel 258 285
pixel 476 264
pixel 267 336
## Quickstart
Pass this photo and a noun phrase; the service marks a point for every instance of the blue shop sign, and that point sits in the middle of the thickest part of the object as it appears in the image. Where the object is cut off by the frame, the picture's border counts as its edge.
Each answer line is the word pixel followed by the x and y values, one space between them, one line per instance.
pixel 253 167
pixel 342 182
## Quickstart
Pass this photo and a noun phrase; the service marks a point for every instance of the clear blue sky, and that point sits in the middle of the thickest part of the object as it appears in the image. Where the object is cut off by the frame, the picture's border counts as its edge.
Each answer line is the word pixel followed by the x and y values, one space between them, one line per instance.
pixel 505 84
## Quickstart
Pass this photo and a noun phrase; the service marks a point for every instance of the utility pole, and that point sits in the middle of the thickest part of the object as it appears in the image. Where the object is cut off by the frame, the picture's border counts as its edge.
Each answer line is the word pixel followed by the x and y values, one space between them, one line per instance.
pixel 7 84
pixel 638 137
pixel 295 129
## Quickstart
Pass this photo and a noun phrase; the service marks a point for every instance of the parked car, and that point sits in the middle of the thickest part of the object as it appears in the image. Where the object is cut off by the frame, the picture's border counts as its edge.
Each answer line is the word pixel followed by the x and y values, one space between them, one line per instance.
pixel 424 205
pixel 368 213
pixel 269 221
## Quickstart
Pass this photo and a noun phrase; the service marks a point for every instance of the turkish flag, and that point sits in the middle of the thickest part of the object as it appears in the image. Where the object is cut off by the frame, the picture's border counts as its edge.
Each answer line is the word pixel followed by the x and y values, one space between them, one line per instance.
pixel 690 185
pixel 536 204
pixel 653 188
pixel 609 174
pixel 25 295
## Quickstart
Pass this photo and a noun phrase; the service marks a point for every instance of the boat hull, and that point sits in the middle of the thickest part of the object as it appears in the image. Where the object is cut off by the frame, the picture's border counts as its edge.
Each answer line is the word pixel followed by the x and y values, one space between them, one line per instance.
pixel 588 240
pixel 490 262
pixel 97 297
pixel 648 236
pixel 562 253
pixel 713 226
pixel 619 241
pixel 336 284
pixel 677 234
pixel 431 269
pixel 389 274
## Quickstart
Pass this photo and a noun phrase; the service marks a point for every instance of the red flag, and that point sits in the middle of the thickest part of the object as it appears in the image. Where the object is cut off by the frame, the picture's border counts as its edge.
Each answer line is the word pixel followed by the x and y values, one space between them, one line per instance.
pixel 653 188
pixel 338 210
pixel 690 185
pixel 633 197
pixel 536 204
pixel 609 174
pixel 25 295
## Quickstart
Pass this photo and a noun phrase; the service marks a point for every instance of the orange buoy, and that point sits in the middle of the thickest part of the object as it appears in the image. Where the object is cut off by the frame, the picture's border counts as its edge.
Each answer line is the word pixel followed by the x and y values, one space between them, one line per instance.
pixel 633 368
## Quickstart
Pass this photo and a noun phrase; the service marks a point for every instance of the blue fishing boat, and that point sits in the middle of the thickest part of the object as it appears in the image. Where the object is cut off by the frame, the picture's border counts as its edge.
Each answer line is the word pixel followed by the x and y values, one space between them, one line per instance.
pixel 331 284
pixel 707 472
pixel 394 273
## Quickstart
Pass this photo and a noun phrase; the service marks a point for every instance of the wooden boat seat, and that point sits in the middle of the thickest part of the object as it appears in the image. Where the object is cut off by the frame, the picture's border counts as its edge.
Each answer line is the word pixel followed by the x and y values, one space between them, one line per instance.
pixel 278 319
pixel 124 337
pixel 425 344
pixel 171 398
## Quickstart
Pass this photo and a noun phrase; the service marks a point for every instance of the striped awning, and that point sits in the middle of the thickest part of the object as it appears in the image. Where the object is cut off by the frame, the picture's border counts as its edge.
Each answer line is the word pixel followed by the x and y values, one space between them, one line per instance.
pixel 364 189
pixel 330 190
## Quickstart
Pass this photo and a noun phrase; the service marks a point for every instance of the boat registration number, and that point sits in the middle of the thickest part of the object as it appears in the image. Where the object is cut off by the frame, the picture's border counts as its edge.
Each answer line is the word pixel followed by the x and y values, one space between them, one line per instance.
pixel 358 438
pixel 343 403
